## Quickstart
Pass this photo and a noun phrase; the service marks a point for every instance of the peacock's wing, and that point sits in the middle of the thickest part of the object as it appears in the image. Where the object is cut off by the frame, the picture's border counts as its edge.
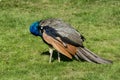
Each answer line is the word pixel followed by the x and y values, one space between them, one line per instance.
pixel 58 29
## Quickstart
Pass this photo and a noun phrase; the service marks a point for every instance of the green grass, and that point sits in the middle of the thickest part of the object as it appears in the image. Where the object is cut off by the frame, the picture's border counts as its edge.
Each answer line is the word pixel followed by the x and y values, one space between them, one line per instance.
pixel 20 52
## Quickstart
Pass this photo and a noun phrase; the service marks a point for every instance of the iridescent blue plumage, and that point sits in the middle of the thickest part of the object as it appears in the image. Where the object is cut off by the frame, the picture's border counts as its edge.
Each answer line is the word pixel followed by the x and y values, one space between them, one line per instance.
pixel 34 29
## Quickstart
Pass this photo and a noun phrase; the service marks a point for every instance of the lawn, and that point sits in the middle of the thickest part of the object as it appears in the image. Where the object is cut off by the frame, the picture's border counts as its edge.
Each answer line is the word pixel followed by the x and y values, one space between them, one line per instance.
pixel 25 57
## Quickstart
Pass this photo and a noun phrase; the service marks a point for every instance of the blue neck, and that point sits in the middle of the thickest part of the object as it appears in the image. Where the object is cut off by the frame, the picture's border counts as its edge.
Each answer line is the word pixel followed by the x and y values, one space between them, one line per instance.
pixel 34 29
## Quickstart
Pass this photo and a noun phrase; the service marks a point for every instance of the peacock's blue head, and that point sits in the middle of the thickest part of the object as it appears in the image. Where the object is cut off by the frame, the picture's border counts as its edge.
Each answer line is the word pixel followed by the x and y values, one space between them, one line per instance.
pixel 34 29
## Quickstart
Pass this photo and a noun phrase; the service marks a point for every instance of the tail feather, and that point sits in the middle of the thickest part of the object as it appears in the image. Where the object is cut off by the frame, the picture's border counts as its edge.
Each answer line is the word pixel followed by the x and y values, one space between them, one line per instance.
pixel 89 56
pixel 82 56
pixel 98 56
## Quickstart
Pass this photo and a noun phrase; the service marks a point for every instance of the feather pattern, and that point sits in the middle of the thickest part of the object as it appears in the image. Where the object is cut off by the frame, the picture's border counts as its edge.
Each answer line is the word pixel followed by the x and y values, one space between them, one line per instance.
pixel 56 44
pixel 57 28
pixel 65 39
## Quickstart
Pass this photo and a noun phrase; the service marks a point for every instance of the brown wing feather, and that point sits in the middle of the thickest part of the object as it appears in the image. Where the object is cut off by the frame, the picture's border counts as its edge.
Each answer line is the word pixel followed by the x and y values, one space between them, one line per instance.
pixel 71 49
pixel 57 45
pixel 61 49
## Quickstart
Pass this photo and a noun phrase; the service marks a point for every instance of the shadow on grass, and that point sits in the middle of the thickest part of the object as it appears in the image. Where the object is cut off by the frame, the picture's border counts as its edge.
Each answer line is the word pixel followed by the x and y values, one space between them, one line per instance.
pixel 62 57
